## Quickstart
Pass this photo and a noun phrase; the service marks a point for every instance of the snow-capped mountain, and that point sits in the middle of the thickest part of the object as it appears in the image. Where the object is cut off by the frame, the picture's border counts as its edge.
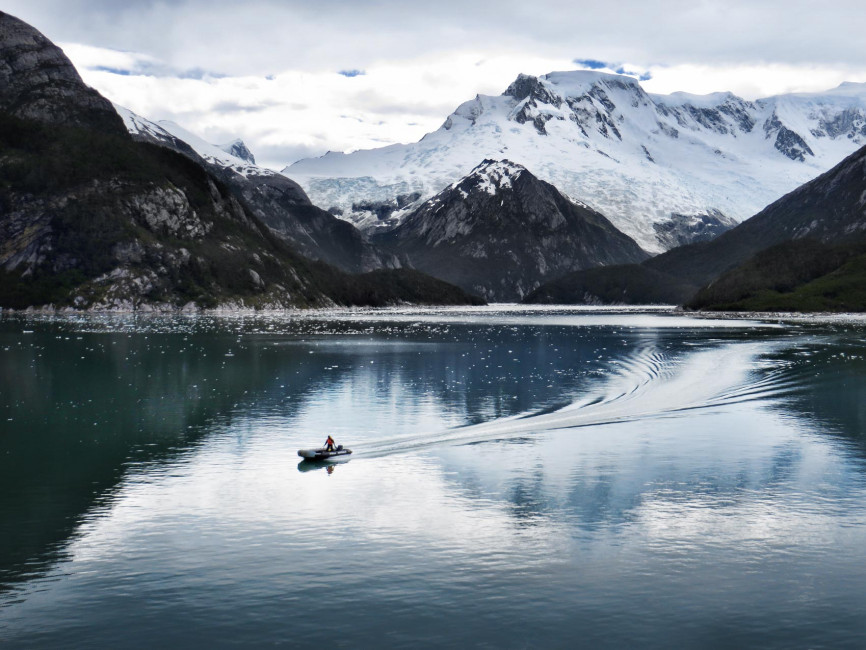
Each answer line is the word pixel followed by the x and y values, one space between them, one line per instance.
pixel 500 232
pixel 653 164
pixel 233 156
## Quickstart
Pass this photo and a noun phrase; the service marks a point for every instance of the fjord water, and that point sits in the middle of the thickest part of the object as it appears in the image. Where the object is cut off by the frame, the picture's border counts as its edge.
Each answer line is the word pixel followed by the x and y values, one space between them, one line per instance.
pixel 521 478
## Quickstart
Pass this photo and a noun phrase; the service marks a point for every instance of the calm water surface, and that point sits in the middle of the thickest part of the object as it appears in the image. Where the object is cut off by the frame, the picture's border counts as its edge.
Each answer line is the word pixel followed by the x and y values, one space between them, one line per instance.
pixel 521 478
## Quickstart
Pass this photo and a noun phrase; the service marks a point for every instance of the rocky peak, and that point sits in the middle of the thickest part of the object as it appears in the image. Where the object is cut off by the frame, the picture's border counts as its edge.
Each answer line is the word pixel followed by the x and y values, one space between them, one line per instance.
pixel 723 113
pixel 490 177
pixel 500 232
pixel 788 142
pixel 532 95
pixel 38 82
pixel 239 149
pixel 591 97
pixel 529 87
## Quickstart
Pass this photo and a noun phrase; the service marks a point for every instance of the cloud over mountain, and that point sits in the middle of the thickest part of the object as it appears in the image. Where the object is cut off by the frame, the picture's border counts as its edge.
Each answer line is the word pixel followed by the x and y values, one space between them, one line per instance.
pixel 188 60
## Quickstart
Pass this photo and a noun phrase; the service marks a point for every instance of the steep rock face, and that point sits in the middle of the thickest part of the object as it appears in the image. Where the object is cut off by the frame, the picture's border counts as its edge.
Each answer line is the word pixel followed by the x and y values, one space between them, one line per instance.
pixel 154 229
pixel 277 201
pixel 530 95
pixel 786 141
pixel 683 229
pixel 38 82
pixel 90 218
pixel 500 232
pixel 641 159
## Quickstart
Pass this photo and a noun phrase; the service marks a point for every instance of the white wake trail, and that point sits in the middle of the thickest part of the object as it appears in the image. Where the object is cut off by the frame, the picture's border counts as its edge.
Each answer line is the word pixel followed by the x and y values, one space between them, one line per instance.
pixel 649 386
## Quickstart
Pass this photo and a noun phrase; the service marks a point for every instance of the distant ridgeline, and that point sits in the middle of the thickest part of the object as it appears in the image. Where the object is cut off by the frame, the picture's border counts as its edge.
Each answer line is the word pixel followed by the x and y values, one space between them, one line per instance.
pixel 92 218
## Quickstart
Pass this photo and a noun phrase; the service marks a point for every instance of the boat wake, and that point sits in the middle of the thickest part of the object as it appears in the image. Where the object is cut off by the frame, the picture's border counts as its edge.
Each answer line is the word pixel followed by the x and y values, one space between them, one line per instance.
pixel 650 384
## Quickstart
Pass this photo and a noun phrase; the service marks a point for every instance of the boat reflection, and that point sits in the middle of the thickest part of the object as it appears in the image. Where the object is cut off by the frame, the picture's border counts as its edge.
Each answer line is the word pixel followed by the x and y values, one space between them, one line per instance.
pixel 308 465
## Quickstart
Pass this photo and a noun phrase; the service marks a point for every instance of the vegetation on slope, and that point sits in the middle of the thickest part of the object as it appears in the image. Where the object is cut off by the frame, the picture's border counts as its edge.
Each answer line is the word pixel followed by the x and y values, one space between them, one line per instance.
pixel 91 218
pixel 800 275
pixel 766 260
pixel 629 284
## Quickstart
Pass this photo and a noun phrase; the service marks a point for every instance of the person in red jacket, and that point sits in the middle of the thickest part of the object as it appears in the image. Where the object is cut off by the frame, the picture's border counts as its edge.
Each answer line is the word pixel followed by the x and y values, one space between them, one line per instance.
pixel 329 444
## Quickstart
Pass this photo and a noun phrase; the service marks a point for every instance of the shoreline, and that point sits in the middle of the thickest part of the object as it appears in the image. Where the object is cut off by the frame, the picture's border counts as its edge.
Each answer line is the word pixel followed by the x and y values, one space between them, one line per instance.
pixel 476 310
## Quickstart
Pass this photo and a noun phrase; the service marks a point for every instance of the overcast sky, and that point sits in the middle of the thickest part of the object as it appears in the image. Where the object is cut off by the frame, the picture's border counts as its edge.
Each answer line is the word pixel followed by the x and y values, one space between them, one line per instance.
pixel 298 78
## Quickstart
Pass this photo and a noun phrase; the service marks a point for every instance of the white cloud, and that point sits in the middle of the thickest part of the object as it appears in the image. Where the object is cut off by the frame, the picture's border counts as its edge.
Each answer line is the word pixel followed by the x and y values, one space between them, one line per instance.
pixel 86 57
pixel 267 36
pixel 296 114
pixel 751 81
pixel 205 64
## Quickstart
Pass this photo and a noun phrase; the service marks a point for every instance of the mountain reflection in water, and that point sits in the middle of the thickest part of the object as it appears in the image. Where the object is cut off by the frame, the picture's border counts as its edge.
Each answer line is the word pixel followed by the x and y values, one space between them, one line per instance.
pixel 523 475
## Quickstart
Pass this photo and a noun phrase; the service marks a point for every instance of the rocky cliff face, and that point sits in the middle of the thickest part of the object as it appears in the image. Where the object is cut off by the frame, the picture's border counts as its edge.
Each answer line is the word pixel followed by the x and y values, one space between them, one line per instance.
pixel 90 218
pixel 122 235
pixel 38 82
pixel 277 201
pixel 683 229
pixel 500 232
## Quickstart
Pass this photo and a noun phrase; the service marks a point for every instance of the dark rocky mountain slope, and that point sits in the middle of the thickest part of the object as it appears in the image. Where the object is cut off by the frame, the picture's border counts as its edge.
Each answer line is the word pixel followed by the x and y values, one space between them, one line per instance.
pixel 277 201
pixel 38 82
pixel 282 205
pixel 797 275
pixel 90 218
pixel 500 232
pixel 829 209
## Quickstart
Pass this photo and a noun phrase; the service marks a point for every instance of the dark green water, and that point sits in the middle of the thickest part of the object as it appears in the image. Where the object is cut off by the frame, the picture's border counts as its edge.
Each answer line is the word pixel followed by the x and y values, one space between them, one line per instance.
pixel 520 479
